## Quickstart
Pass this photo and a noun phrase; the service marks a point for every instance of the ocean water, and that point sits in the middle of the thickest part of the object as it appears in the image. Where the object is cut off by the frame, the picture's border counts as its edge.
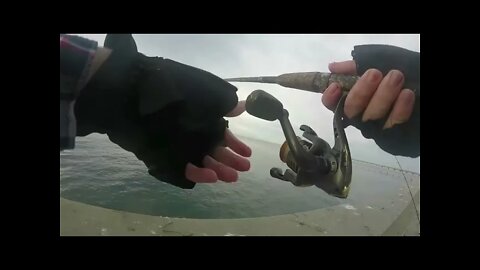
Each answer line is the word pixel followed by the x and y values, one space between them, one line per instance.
pixel 100 173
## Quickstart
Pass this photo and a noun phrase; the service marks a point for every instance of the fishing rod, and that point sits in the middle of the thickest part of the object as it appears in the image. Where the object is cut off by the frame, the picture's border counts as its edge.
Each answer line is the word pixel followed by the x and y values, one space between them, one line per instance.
pixel 316 82
pixel 313 161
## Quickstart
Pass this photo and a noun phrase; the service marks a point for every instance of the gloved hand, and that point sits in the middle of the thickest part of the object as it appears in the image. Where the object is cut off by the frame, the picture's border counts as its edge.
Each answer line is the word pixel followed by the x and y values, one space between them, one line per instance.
pixel 167 113
pixel 382 104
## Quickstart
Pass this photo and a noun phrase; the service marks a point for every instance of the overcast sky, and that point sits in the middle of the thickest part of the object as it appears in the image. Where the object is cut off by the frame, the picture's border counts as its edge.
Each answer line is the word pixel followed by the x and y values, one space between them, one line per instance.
pixel 273 54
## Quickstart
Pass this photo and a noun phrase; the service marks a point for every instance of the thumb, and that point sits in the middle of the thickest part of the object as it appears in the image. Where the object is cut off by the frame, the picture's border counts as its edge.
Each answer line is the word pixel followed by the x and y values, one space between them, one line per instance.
pixel 239 109
pixel 345 67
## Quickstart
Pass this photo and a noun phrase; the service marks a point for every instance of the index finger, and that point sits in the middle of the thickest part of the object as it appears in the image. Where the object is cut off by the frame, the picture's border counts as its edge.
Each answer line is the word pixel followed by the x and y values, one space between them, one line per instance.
pixel 346 67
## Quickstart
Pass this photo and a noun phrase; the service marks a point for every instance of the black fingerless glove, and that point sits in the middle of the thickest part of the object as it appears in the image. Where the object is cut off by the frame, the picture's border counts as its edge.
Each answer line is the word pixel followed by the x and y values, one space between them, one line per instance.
pixel 166 113
pixel 401 139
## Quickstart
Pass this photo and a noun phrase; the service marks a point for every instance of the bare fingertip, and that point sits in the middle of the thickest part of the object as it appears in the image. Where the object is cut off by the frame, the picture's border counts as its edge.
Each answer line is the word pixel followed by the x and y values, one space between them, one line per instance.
pixel 410 95
pixel 332 89
pixel 331 66
pixel 247 166
pixel 373 75
pixel 247 152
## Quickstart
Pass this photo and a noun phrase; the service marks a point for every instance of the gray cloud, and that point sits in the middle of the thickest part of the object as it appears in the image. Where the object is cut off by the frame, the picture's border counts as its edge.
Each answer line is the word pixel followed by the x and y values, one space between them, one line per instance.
pixel 256 55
